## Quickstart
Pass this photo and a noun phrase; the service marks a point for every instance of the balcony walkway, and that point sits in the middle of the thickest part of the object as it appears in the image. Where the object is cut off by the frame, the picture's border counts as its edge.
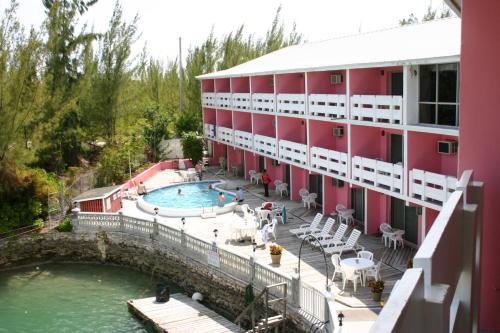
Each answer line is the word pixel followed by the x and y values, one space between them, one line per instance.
pixel 312 266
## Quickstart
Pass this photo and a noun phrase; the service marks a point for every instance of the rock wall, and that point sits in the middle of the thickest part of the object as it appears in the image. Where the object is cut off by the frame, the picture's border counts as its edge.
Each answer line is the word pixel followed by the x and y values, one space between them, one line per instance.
pixel 221 293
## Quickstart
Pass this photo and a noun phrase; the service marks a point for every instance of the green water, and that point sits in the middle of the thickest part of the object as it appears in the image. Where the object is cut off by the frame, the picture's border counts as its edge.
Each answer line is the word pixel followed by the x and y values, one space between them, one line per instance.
pixel 56 298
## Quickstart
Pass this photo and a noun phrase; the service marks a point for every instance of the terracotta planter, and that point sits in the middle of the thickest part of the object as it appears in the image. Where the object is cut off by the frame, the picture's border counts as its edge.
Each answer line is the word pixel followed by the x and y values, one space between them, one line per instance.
pixel 376 296
pixel 276 259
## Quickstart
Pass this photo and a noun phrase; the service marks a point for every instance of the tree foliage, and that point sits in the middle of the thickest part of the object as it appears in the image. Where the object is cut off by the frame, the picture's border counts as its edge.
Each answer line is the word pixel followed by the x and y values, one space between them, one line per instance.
pixel 431 14
pixel 192 146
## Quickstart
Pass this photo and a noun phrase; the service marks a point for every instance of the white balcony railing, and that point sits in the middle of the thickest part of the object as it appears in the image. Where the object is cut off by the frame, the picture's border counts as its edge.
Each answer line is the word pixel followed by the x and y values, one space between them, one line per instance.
pixel 431 187
pixel 377 108
pixel 209 131
pixel 241 101
pixel 292 104
pixel 243 139
pixel 208 99
pixel 328 160
pixel 293 151
pixel 225 134
pixel 264 102
pixel 223 100
pixel 264 145
pixel 327 106
pixel 439 293
pixel 377 173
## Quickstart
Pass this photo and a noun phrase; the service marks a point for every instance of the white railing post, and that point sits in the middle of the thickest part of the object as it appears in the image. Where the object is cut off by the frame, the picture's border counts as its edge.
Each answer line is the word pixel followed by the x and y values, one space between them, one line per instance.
pixel 251 263
pixel 183 239
pixel 74 217
pixel 296 289
pixel 122 224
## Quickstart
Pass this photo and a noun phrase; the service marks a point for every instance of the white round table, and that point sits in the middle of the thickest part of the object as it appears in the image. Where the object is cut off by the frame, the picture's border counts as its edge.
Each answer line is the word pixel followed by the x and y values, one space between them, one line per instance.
pixel 358 264
pixel 245 230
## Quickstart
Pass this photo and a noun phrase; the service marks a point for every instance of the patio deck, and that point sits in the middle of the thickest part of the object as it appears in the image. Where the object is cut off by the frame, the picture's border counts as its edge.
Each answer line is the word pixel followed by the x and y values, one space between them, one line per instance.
pixel 312 265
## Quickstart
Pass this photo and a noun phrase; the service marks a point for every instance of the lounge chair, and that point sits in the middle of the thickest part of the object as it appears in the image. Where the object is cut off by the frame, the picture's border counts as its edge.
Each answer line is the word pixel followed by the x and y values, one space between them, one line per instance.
pixel 335 239
pixel 323 233
pixel 307 228
pixel 350 245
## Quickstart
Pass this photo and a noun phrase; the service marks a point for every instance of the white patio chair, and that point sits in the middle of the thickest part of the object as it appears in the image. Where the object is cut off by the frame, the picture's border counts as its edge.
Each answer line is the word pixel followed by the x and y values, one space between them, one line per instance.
pixel 263 216
pixel 323 233
pixel 397 238
pixel 336 239
pixel 373 272
pixel 308 227
pixel 303 194
pixel 283 189
pixel 340 207
pixel 386 231
pixel 254 176
pixel 365 255
pixel 311 200
pixel 234 233
pixel 350 245
pixel 336 266
pixel 273 229
pixel 277 184
pixel 350 274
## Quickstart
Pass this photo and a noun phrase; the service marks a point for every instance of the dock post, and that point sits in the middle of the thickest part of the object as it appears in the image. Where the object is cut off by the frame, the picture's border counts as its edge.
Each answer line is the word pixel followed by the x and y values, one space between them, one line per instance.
pixel 156 232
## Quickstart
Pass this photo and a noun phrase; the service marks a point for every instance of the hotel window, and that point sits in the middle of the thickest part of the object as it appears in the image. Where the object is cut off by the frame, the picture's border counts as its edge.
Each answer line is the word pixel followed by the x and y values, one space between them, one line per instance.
pixel 438 94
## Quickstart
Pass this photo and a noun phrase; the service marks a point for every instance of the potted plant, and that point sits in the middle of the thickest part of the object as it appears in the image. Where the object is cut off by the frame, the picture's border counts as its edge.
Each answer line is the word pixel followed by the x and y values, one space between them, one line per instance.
pixel 276 251
pixel 377 287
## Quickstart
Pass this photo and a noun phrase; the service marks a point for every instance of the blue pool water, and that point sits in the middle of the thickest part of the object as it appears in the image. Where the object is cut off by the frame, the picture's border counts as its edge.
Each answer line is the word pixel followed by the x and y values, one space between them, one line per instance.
pixel 193 195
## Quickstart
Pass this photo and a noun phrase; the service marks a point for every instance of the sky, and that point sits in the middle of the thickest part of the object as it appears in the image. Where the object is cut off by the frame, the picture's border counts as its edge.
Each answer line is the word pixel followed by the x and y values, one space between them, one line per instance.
pixel 162 22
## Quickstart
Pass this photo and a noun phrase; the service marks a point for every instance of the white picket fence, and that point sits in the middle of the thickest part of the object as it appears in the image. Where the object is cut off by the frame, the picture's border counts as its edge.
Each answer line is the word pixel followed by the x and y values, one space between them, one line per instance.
pixel 265 145
pixel 208 99
pixel 328 106
pixel 328 160
pixel 377 108
pixel 431 187
pixel 240 267
pixel 243 139
pixel 264 102
pixel 225 134
pixel 241 101
pixel 293 151
pixel 377 173
pixel 293 104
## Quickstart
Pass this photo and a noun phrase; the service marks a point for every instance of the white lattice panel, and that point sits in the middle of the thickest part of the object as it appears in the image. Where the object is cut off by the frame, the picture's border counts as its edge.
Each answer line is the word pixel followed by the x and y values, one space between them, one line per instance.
pixel 377 108
pixel 263 102
pixel 241 101
pixel 208 99
pixel 329 160
pixel 264 145
pixel 293 151
pixel 380 174
pixel 243 139
pixel 432 187
pixel 327 106
pixel 292 104
pixel 223 100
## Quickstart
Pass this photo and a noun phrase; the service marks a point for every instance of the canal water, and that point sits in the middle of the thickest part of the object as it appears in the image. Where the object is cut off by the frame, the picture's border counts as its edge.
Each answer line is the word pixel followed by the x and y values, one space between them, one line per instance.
pixel 55 298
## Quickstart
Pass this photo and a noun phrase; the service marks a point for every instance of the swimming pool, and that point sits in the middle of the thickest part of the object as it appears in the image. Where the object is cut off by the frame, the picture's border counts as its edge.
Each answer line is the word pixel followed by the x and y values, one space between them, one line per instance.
pixel 195 199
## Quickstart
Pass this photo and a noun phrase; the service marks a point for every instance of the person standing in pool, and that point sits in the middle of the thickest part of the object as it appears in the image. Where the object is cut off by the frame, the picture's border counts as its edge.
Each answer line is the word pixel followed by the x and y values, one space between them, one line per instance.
pixel 179 191
pixel 240 197
pixel 266 180
pixel 199 170
pixel 220 199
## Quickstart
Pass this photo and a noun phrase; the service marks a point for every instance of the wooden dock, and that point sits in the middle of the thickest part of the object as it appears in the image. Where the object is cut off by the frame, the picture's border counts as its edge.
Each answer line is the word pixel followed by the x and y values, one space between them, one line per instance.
pixel 180 315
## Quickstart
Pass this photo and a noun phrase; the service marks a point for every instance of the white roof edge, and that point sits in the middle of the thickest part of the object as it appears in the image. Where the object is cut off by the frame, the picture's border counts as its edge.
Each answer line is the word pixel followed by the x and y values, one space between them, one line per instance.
pixel 452 58
pixel 426 42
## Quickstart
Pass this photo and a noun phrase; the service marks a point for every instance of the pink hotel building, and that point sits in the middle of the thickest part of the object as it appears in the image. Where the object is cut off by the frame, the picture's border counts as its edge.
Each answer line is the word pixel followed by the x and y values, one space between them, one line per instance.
pixel 368 121
pixel 386 122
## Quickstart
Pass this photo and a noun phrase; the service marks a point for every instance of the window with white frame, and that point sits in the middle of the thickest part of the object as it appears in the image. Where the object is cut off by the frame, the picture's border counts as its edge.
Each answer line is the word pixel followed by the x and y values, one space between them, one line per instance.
pixel 438 94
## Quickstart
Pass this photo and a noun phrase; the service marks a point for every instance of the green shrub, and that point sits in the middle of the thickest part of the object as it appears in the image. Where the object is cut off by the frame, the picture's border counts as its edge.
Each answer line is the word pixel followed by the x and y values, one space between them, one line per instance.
pixel 65 225
pixel 192 146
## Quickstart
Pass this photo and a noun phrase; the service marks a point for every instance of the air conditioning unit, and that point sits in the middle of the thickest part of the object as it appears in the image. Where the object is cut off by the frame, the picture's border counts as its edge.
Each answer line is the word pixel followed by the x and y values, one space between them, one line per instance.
pixel 447 147
pixel 337 182
pixel 338 131
pixel 275 162
pixel 336 78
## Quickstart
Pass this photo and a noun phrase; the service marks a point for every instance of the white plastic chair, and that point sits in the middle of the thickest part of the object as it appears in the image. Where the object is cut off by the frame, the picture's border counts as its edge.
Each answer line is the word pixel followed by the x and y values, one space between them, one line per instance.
pixel 336 266
pixel 263 216
pixel 350 274
pixel 311 200
pixel 283 189
pixel 386 231
pixel 277 184
pixel 254 176
pixel 350 245
pixel 397 238
pixel 365 255
pixel 308 227
pixel 303 194
pixel 273 229
pixel 325 232
pixel 336 239
pixel 374 272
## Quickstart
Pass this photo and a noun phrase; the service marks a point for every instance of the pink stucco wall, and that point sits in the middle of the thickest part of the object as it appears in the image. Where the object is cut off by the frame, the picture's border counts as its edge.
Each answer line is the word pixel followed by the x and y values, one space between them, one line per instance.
pixel 209 116
pixel 479 137
pixel 251 163
pixel 219 150
pixel 262 84
pixel 224 118
pixel 319 83
pixel 377 211
pixel 234 157
pixel 275 172
pixel 292 129
pixel 264 125
pixel 242 121
pixel 371 81
pixel 207 86
pixel 321 135
pixel 371 142
pixel 240 85
pixel 423 154
pixel 334 195
pixel 293 83
pixel 300 179
pixel 222 85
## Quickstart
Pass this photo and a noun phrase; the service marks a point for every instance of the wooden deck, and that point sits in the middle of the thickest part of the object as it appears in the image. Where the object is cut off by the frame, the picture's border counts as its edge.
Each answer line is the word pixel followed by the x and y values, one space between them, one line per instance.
pixel 180 315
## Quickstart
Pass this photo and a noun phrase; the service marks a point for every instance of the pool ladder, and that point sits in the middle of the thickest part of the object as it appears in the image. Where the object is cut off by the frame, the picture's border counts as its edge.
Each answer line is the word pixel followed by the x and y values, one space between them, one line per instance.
pixel 210 213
